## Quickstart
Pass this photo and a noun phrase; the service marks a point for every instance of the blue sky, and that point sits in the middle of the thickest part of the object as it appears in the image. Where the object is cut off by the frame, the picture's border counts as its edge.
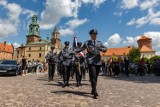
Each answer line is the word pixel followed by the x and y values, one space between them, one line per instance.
pixel 119 22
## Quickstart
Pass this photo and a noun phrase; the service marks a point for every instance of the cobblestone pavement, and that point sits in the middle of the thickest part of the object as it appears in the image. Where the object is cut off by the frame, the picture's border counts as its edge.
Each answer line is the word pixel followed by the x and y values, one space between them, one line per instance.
pixel 35 91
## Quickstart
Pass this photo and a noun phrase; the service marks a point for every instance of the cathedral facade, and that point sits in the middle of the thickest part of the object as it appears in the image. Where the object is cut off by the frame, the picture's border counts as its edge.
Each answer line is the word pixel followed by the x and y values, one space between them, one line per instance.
pixel 37 48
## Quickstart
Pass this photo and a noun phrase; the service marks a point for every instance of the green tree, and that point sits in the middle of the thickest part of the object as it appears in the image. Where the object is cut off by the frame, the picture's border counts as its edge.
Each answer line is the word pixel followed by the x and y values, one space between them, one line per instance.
pixel 154 59
pixel 134 54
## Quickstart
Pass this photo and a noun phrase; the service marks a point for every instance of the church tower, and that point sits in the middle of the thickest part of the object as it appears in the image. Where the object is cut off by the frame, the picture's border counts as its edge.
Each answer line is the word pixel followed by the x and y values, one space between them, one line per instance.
pixel 55 40
pixel 33 33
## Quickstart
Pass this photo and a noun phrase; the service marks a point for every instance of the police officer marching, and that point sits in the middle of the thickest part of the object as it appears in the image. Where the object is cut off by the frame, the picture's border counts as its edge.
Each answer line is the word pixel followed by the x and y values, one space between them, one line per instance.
pixel 51 59
pixel 67 56
pixel 80 66
pixel 94 47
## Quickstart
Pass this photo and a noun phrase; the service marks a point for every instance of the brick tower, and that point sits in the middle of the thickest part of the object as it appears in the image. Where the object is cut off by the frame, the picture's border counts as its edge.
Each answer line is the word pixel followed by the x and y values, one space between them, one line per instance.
pixel 145 41
pixel 55 40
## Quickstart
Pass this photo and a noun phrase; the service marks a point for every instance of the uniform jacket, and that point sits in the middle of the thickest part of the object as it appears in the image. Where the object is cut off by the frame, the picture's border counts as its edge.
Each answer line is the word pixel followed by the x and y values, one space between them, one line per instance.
pixel 93 51
pixel 67 56
pixel 51 58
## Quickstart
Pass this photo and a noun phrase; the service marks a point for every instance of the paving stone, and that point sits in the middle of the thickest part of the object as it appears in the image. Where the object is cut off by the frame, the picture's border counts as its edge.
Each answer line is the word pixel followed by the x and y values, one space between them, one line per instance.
pixel 35 91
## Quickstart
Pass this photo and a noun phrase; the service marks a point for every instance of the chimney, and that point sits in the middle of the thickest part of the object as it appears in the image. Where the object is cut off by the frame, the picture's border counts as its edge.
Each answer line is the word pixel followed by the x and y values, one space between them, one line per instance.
pixel 5 42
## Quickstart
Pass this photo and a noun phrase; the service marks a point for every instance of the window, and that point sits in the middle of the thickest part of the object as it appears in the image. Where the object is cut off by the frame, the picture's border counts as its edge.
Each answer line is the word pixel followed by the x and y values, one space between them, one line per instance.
pixel 29 55
pixel 40 48
pixel 40 55
pixel 29 48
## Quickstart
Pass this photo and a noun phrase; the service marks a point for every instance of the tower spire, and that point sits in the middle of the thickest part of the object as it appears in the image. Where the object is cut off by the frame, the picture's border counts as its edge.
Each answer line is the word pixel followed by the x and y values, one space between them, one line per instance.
pixel 55 29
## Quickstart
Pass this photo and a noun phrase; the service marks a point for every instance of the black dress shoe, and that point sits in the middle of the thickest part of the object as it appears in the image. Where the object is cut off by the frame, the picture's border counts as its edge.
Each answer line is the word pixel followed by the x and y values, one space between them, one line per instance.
pixel 67 85
pixel 95 97
pixel 80 84
pixel 96 94
pixel 64 86
pixel 77 85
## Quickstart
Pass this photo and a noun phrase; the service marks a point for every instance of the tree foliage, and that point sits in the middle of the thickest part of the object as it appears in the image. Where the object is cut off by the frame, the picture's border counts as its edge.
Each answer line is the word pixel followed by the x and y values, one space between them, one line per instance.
pixel 134 55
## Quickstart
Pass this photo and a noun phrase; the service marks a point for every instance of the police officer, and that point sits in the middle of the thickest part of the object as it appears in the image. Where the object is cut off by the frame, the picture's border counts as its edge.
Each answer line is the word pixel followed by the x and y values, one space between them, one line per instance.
pixel 80 65
pixel 93 47
pixel 67 56
pixel 51 59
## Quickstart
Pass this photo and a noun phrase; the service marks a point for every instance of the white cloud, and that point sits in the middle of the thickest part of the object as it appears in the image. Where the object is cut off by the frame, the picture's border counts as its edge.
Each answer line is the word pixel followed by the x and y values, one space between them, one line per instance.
pixel 96 3
pixel 155 39
pixel 14 11
pixel 54 13
pixel 9 25
pixel 118 13
pixel 76 22
pixel 129 4
pixel 151 18
pixel 3 2
pixel 65 32
pixel 155 21
pixel 113 40
pixel 71 25
pixel 7 28
pixel 147 4
pixel 131 22
pixel 29 13
pixel 16 45
pixel 61 9
pixel 131 40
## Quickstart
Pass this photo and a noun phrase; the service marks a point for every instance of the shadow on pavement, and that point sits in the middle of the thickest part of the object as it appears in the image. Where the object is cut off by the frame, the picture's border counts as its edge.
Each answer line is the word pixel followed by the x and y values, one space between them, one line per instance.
pixel 72 92
pixel 137 79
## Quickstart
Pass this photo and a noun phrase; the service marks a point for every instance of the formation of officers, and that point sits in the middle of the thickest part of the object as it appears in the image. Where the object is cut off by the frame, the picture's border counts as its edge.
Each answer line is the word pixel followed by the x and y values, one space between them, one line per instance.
pixel 72 61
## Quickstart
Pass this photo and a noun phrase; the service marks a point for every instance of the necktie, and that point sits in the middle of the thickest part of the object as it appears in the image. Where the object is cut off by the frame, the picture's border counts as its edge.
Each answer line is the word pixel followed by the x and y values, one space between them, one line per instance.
pixel 94 42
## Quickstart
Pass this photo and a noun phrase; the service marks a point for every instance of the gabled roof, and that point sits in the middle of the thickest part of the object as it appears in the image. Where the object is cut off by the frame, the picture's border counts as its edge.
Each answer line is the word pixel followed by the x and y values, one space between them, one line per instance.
pixel 144 38
pixel 6 48
pixel 117 51
pixel 145 49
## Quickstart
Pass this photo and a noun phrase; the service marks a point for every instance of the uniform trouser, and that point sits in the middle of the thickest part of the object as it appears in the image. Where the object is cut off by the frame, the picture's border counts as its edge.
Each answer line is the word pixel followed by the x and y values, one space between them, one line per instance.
pixel 93 73
pixel 79 74
pixel 83 71
pixel 60 69
pixel 66 74
pixel 73 70
pixel 51 71
pixel 126 70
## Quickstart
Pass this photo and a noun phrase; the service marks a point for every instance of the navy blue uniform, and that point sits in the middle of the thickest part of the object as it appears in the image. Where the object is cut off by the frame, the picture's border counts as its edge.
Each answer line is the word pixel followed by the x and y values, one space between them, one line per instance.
pixel 93 60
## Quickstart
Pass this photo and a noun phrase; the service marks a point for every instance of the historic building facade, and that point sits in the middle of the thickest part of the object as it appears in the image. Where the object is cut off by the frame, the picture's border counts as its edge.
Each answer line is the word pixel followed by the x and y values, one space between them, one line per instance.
pixel 37 48
pixel 6 51
pixel 144 44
